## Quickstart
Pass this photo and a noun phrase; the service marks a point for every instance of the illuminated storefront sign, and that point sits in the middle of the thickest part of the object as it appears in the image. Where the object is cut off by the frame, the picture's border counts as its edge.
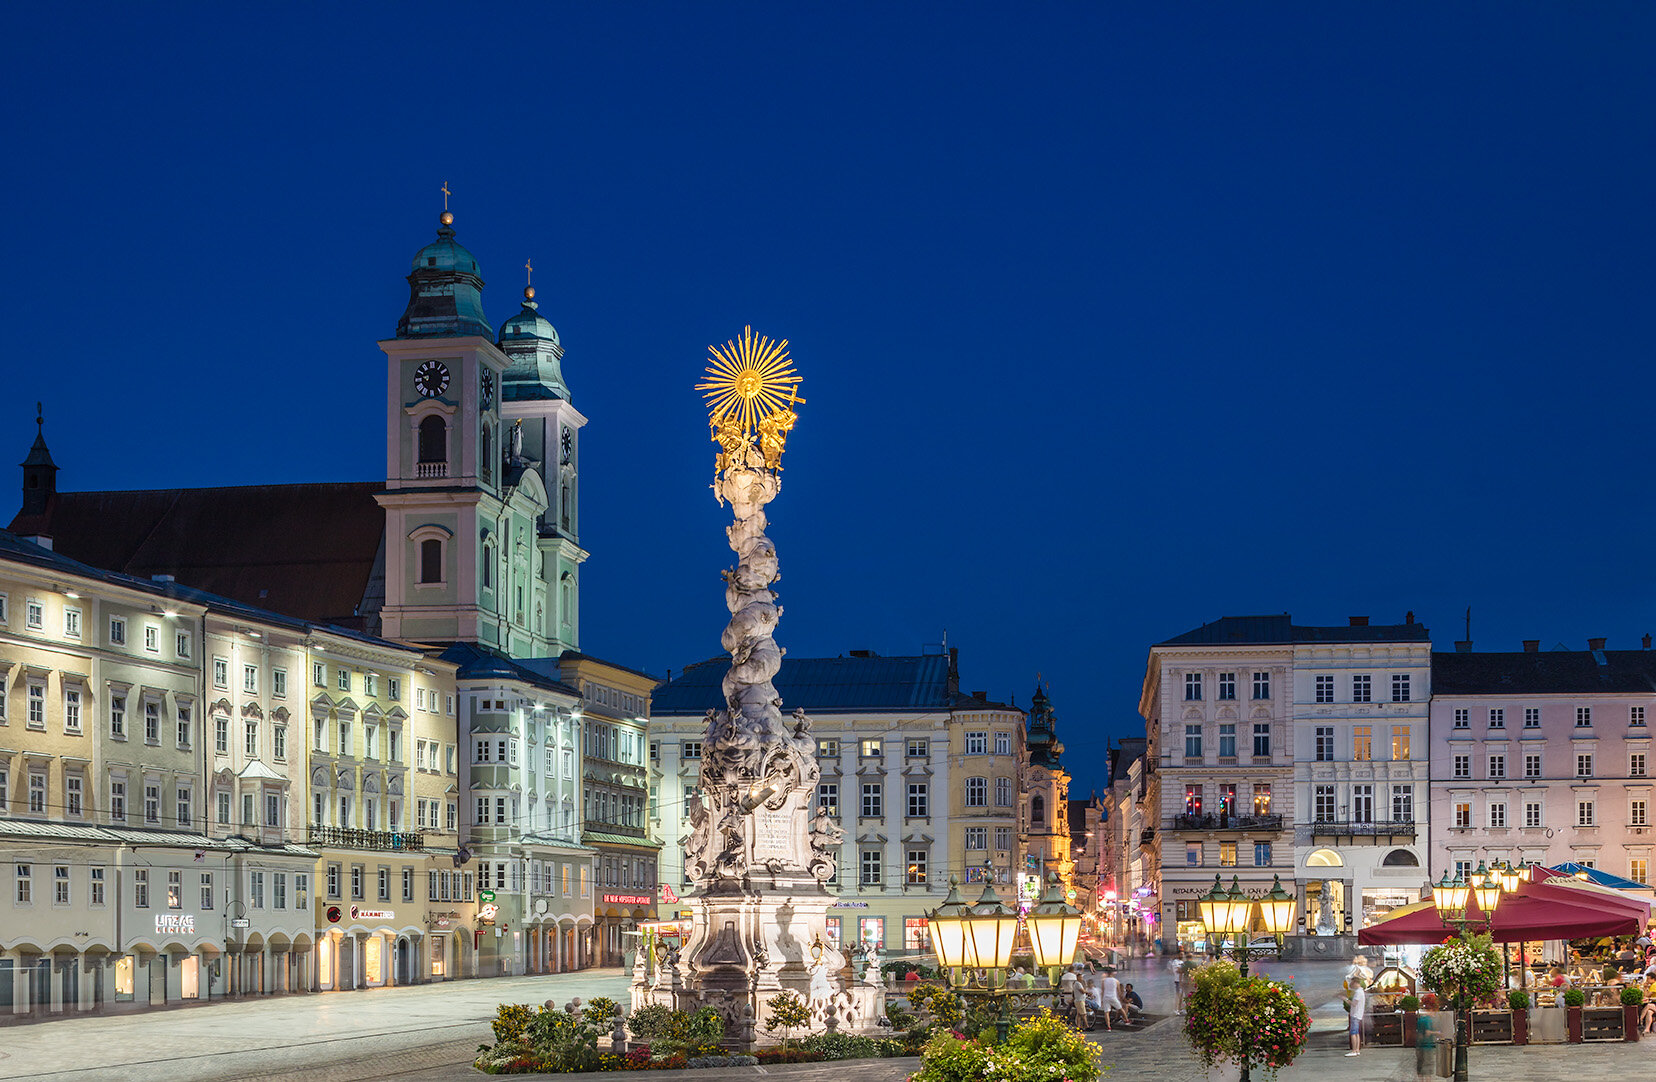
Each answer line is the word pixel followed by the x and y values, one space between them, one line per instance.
pixel 371 914
pixel 174 924
pixel 629 899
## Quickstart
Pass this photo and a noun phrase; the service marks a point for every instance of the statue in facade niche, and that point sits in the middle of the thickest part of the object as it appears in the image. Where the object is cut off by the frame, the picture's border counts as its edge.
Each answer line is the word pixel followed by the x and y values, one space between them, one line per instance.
pixel 825 839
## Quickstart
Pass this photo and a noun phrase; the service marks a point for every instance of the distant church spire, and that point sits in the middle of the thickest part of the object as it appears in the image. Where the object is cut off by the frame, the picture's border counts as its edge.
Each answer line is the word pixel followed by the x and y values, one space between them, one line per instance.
pixel 445 289
pixel 39 471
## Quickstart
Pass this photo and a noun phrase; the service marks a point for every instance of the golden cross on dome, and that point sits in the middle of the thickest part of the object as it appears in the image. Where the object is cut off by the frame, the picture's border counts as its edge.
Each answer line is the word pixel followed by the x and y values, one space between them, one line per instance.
pixel 446 194
pixel 528 265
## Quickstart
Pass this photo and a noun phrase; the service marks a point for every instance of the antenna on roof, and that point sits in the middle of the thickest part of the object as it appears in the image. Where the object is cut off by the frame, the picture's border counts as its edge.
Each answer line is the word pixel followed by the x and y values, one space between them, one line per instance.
pixel 1469 623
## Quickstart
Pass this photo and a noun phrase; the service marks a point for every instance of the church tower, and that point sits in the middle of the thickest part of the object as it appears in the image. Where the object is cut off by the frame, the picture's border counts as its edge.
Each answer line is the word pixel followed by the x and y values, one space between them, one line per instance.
pixel 1046 787
pixel 466 509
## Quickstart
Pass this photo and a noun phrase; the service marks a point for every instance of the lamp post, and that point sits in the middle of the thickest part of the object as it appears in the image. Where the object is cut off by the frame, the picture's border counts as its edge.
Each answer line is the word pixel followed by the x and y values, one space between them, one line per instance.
pixel 1450 897
pixel 1231 913
pixel 979 938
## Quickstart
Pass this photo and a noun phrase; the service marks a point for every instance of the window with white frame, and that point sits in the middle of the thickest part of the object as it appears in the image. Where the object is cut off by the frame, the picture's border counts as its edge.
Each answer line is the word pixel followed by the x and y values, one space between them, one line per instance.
pixel 1532 813
pixel 1463 815
pixel 1227 686
pixel 1532 717
pixel 250 679
pixel 117 716
pixel 1637 813
pixel 1497 767
pixel 37 792
pixel 1635 715
pixel 181 645
pixel 117 631
pixel 152 638
pixel 72 623
pixel 1003 743
pixel 344 678
pixel 1324 689
pixel 1636 764
pixel 36 705
pixel 1322 804
pixel 827 797
pixel 72 709
pixel 1497 814
pixel 1362 688
pixel 1463 718
pixel 221 672
pixel 1262 739
pixel 73 795
pixel 1532 766
pixel 1584 716
pixel 1463 766
pixel 918 804
pixel 34 615
pixel 1193 740
pixel 1193 687
pixel 1586 813
pixel 1324 746
pixel 152 722
pixel 1400 687
pixel 977 792
pixel 977 743
pixel 1003 792
pixel 872 862
pixel 1584 765
pixel 1261 685
pixel 872 804
pixel 184 718
pixel 152 804
pixel 977 838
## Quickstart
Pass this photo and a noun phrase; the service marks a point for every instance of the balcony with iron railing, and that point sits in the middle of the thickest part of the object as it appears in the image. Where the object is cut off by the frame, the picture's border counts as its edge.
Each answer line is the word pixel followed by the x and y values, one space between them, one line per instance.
pixel 347 838
pixel 1224 821
pixel 1386 830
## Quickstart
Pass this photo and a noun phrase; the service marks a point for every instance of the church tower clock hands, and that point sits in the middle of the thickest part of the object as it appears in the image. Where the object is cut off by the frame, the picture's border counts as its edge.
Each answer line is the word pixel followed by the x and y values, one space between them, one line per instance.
pixel 481 541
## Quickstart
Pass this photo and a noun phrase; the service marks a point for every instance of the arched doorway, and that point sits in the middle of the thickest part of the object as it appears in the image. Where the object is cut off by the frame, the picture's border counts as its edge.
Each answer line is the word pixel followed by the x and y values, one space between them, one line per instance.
pixel 404 966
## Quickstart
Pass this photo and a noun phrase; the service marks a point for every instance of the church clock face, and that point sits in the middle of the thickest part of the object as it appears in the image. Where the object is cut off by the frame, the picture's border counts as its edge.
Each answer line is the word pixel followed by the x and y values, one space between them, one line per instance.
pixel 431 379
pixel 568 445
pixel 488 389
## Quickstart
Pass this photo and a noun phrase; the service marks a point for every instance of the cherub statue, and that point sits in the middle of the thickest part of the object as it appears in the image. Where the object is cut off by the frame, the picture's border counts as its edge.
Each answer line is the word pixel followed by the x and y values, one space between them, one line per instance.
pixel 701 829
pixel 825 838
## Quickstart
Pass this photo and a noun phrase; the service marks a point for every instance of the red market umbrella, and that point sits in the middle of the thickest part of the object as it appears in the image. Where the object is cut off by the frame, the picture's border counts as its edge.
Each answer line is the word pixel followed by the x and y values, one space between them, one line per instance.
pixel 1535 911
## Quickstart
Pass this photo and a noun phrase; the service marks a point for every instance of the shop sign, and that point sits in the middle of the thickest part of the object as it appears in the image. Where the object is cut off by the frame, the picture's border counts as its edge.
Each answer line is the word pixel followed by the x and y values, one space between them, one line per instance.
pixel 486 912
pixel 174 924
pixel 667 894
pixel 629 899
pixel 371 914
pixel 485 895
pixel 239 922
pixel 334 913
pixel 849 905
pixel 442 922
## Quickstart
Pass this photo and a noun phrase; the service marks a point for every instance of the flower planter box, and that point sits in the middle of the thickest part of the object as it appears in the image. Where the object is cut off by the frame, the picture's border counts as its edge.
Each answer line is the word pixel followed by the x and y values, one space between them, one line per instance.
pixel 1520 1026
pixel 1602 1023
pixel 1409 1034
pixel 1491 1027
pixel 1630 1021
pixel 1572 1024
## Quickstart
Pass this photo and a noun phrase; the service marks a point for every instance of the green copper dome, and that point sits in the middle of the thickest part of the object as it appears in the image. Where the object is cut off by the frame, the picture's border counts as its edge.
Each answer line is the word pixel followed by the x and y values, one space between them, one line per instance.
pixel 445 291
pixel 528 324
pixel 532 343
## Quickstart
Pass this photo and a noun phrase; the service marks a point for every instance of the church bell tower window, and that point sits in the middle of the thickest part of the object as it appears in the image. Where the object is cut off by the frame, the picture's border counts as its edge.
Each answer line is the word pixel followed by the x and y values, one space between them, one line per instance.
pixel 433 443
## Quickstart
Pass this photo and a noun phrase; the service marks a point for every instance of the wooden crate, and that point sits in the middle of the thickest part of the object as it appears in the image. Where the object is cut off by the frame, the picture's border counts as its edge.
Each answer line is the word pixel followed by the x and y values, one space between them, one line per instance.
pixel 1386 1028
pixel 1602 1023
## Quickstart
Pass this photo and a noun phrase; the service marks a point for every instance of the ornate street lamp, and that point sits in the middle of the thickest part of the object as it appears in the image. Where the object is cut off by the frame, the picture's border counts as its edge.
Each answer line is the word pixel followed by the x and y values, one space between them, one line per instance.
pixel 1054 928
pixel 1450 897
pixel 980 937
pixel 1231 913
pixel 947 924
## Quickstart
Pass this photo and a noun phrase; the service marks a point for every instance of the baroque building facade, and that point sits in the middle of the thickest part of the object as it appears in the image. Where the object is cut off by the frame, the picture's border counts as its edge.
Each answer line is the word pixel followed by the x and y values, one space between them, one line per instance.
pixel 1543 756
pixel 348 682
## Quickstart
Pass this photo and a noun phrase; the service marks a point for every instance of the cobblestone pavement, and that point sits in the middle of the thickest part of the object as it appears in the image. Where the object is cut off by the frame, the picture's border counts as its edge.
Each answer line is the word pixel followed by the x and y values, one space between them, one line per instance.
pixel 430 1034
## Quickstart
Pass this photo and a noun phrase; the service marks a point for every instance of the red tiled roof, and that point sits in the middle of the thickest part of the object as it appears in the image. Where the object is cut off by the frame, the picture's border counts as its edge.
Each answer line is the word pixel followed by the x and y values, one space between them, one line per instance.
pixel 305 550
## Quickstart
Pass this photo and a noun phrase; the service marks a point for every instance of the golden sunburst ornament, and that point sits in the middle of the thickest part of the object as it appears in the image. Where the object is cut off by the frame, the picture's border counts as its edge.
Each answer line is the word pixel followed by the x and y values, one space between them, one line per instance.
pixel 749 379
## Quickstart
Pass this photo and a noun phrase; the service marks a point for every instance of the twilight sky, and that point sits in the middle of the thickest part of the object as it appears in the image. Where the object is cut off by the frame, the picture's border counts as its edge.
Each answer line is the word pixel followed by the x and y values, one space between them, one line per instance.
pixel 1113 318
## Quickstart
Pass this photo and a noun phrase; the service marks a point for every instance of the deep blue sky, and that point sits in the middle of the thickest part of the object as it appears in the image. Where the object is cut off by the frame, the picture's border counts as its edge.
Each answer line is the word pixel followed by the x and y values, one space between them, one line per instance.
pixel 1113 319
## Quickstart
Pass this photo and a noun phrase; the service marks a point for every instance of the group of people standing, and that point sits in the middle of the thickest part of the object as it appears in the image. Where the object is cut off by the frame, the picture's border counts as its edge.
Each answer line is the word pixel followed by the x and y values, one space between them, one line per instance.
pixel 1112 1002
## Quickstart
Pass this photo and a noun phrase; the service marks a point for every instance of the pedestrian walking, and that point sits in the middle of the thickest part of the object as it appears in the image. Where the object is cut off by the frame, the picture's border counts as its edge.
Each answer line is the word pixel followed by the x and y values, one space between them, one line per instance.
pixel 1357 981
pixel 1176 966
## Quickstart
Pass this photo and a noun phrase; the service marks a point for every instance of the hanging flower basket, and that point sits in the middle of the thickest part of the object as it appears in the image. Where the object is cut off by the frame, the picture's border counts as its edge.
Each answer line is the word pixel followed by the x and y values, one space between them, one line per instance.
pixel 1253 1019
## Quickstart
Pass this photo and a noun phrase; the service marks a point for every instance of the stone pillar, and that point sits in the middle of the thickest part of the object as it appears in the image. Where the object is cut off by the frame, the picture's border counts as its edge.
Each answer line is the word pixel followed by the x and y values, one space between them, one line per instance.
pixel 87 982
pixel 20 984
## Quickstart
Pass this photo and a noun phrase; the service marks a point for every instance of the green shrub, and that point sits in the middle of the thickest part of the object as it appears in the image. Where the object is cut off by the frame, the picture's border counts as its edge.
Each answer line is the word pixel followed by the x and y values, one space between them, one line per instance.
pixel 787 1013
pixel 1409 1003
pixel 899 1016
pixel 937 1001
pixel 1518 1001
pixel 843 1046
pixel 1632 996
pixel 511 1021
pixel 1048 1047
pixel 652 1020
pixel 947 1058
pixel 601 1012
pixel 1574 997
pixel 787 1055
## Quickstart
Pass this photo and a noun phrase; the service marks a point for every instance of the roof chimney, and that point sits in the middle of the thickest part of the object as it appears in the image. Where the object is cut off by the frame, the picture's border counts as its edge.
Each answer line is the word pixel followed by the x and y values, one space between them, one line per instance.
pixel 1464 646
pixel 1647 640
pixel 1532 646
pixel 1595 644
pixel 1408 617
pixel 862 653
pixel 1359 621
pixel 981 696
